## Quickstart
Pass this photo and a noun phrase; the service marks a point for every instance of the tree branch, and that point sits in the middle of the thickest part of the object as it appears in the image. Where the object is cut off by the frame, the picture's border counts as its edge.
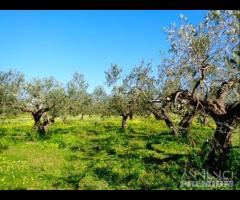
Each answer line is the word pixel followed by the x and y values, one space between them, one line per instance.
pixel 224 89
pixel 25 110
pixel 202 77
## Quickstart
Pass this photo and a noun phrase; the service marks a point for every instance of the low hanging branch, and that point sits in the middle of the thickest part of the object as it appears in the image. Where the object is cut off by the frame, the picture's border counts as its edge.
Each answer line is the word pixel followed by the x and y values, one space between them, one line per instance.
pixel 161 114
pixel 224 89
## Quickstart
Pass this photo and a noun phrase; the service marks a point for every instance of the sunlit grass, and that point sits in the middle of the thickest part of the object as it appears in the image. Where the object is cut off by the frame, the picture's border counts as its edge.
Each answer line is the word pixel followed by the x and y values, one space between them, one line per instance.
pixel 96 154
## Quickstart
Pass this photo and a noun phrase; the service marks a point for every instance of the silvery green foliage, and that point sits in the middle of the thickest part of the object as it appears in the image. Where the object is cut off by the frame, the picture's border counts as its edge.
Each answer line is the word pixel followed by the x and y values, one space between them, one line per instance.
pixel 100 102
pixel 45 93
pixel 77 85
pixel 120 94
pixel 144 86
pixel 113 75
pixel 59 98
pixel 130 92
pixel 214 41
pixel 10 86
pixel 78 98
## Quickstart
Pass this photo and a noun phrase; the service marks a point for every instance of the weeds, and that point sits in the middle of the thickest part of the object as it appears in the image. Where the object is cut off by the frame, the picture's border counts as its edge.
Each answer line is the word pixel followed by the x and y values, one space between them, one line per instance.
pixel 92 154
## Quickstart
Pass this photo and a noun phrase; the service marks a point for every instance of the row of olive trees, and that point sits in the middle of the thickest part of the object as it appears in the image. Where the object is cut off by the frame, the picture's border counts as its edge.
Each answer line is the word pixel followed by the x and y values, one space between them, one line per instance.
pixel 46 98
pixel 199 76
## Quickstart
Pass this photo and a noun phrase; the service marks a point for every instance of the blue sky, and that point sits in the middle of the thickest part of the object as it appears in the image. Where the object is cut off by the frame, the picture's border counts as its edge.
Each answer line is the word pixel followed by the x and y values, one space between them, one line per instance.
pixel 57 43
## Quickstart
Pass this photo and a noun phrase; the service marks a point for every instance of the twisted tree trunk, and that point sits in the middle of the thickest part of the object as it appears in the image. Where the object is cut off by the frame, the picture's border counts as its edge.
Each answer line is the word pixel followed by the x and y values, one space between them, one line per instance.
pixel 82 116
pixel 169 122
pixel 38 125
pixel 221 144
pixel 124 121
pixel 131 115
pixel 186 122
pixel 205 121
pixel 183 125
pixel 160 114
pixel 64 119
pixel 157 115
pixel 38 114
pixel 41 126
pixel 37 122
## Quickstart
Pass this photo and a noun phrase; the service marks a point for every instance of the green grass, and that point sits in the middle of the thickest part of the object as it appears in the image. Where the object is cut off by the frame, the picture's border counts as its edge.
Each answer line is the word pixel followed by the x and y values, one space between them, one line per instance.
pixel 96 154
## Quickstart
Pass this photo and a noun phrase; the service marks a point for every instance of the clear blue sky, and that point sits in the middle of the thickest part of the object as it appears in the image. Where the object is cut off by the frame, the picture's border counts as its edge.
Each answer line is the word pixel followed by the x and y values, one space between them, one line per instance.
pixel 57 43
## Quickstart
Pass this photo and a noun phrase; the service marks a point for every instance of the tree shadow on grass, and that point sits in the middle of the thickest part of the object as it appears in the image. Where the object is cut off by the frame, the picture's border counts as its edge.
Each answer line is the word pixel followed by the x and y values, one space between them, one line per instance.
pixel 104 145
pixel 151 139
pixel 94 148
pixel 63 130
pixel 110 127
pixel 159 161
pixel 69 181
pixel 3 148
pixel 151 135
pixel 2 132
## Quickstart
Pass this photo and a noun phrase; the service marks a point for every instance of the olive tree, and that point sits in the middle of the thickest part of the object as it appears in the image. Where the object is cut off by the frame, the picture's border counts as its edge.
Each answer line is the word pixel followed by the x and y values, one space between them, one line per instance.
pixel 100 102
pixel 204 58
pixel 164 105
pixel 123 98
pixel 145 85
pixel 78 98
pixel 130 93
pixel 151 87
pixel 38 97
pixel 10 86
pixel 61 103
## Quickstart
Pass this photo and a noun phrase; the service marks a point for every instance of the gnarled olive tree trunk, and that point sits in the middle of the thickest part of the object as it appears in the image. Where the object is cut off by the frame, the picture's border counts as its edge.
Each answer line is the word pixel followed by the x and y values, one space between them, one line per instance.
pixel 169 122
pixel 221 142
pixel 157 116
pixel 131 115
pixel 160 114
pixel 37 123
pixel 186 122
pixel 82 116
pixel 41 122
pixel 124 121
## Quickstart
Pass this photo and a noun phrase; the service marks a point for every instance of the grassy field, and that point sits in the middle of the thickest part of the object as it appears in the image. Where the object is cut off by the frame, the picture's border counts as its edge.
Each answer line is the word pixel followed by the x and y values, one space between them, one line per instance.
pixel 96 154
